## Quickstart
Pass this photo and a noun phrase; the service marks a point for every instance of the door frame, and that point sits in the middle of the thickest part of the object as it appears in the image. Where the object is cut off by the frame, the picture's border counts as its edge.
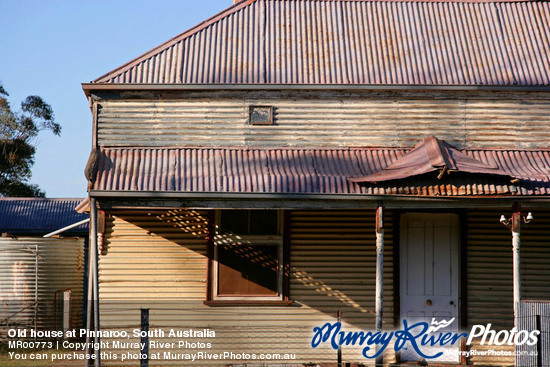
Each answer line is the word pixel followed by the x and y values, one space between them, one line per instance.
pixel 462 264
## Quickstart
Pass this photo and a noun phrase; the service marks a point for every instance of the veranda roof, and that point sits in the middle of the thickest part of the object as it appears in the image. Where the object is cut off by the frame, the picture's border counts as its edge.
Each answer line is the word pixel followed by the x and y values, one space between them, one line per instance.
pixel 320 171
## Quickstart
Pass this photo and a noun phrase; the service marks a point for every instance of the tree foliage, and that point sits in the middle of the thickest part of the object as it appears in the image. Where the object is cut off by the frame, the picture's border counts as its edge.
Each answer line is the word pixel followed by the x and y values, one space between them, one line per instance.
pixel 18 134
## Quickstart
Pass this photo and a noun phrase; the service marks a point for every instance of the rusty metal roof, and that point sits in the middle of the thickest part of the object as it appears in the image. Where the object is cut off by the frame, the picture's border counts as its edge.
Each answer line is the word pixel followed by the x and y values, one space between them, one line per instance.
pixel 40 216
pixel 297 171
pixel 432 155
pixel 491 43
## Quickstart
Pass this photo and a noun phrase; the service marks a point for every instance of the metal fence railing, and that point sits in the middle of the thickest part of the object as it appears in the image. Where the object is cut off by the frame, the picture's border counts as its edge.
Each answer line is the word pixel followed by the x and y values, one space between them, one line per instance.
pixel 530 316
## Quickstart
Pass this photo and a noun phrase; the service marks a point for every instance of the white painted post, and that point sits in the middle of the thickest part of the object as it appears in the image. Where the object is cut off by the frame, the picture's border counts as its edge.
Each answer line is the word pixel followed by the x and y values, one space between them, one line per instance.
pixel 90 304
pixel 516 242
pixel 66 311
pixel 94 271
pixel 379 274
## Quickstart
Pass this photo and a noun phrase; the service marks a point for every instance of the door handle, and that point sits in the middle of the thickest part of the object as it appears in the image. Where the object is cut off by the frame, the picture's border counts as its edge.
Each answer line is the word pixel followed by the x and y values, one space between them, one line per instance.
pixel 452 303
pixel 429 302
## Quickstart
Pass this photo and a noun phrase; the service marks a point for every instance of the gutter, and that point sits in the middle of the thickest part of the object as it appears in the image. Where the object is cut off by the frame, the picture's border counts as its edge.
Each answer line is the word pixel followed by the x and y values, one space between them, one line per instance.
pixel 66 228
pixel 279 196
pixel 210 200
pixel 89 87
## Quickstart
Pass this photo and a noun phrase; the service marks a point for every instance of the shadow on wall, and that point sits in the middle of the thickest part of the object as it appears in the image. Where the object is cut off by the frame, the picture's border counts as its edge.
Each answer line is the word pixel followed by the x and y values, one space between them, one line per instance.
pixel 326 283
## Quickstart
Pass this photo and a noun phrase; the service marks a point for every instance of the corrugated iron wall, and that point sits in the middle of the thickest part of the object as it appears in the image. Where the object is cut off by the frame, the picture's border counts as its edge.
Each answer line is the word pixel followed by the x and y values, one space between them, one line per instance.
pixel 333 260
pixel 489 276
pixel 60 266
pixel 325 121
pixel 18 285
pixel 158 260
pixel 534 316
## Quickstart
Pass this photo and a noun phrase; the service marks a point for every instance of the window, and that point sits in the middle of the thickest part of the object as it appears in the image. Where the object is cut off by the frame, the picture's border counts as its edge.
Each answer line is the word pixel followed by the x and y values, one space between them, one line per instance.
pixel 247 258
pixel 260 115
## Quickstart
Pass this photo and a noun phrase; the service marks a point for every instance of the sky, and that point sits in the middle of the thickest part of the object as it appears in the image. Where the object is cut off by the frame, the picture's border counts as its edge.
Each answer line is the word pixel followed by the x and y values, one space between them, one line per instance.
pixel 48 48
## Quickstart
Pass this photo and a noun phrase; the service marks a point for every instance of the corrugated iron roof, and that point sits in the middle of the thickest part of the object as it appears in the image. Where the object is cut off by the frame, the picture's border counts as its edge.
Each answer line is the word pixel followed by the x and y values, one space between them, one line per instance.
pixel 324 171
pixel 40 216
pixel 496 43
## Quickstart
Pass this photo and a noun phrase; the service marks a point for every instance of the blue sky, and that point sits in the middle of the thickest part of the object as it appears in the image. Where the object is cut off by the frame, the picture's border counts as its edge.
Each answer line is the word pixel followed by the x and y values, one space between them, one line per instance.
pixel 48 48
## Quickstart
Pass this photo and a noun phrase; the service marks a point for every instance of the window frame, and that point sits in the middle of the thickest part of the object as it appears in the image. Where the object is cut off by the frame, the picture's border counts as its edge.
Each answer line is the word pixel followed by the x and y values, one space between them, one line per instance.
pixel 279 239
pixel 262 123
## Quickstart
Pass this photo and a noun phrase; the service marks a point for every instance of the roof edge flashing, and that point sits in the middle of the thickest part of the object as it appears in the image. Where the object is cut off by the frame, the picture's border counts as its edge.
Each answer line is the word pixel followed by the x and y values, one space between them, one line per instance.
pixel 88 88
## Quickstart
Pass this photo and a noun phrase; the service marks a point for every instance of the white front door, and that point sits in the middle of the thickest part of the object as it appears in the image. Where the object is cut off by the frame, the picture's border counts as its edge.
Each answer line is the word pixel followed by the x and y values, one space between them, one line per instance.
pixel 429 281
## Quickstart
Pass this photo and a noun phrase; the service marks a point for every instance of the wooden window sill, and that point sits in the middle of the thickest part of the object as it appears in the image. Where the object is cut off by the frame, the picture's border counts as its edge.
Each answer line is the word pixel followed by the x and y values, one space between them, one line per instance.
pixel 218 303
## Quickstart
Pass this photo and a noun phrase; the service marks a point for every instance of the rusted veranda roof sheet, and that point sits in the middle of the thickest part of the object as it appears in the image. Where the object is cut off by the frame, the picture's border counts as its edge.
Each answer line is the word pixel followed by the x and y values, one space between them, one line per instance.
pixel 300 171
pixel 356 42
pixel 432 155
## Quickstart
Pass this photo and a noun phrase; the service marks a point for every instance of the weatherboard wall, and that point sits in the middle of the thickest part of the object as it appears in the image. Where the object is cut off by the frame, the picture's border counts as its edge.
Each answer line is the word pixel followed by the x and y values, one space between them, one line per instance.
pixel 329 119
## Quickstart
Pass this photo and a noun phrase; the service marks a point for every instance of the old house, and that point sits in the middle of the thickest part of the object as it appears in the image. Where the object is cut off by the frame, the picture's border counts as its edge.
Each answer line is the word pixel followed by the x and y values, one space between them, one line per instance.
pixel 288 159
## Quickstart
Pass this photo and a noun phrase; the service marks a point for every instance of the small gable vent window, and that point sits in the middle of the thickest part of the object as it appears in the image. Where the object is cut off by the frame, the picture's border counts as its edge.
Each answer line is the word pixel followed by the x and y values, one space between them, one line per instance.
pixel 260 115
